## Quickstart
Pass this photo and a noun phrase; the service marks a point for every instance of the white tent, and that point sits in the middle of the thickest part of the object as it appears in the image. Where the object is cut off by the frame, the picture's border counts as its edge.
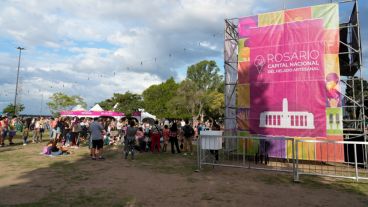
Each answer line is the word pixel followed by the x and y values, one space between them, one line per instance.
pixel 78 108
pixel 147 115
pixel 141 115
pixel 96 107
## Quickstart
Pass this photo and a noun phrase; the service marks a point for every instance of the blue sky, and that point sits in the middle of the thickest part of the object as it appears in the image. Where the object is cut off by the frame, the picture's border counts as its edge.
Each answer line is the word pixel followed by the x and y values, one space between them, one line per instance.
pixel 94 48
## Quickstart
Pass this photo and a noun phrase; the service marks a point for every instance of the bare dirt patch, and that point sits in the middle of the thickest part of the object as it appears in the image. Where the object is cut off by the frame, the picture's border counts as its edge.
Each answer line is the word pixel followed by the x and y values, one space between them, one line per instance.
pixel 30 179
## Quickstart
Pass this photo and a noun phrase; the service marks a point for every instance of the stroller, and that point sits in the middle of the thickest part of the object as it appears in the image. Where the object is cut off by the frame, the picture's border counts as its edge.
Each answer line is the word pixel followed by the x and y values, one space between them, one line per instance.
pixel 129 147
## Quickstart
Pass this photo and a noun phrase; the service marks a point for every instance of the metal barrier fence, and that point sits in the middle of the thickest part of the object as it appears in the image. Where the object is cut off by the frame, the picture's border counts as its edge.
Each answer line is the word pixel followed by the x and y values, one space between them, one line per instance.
pixel 340 159
pixel 246 152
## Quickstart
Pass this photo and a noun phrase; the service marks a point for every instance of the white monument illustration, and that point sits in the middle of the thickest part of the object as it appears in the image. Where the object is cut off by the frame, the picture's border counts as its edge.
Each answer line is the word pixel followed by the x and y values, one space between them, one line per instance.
pixel 286 119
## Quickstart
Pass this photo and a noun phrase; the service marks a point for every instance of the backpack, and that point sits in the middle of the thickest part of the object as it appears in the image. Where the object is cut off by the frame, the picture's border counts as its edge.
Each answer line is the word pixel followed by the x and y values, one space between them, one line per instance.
pixel 188 131
pixel 155 130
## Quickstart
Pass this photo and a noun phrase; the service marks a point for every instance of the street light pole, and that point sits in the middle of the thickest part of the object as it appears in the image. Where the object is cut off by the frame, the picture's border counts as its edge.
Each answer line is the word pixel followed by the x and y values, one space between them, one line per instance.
pixel 16 85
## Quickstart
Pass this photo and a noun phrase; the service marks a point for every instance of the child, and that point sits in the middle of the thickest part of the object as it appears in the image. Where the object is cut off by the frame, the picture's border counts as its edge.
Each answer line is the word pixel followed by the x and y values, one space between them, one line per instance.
pixel 166 137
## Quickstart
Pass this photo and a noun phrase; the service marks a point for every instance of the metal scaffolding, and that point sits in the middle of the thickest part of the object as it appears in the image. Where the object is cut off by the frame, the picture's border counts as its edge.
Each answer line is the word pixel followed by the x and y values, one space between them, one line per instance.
pixel 350 54
pixel 352 78
pixel 231 74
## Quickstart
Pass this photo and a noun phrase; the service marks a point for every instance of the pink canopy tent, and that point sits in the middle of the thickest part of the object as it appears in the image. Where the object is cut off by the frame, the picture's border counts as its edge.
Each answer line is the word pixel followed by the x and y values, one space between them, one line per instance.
pixel 95 111
pixel 92 113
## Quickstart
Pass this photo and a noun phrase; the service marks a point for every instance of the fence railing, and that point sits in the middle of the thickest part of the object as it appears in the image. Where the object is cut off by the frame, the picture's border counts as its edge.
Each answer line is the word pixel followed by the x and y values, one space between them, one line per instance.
pixel 340 159
pixel 246 152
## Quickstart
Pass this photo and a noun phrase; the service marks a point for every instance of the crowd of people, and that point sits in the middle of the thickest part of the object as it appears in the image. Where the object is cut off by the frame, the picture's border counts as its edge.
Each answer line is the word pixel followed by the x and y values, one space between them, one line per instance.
pixel 70 132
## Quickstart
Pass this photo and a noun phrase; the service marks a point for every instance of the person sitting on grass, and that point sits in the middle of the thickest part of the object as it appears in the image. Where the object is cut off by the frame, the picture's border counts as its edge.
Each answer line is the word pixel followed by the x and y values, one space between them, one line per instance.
pixel 52 149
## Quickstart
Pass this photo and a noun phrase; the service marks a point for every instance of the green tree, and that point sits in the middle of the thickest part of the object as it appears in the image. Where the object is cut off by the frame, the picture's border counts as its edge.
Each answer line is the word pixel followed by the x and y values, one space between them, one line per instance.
pixel 127 102
pixel 189 101
pixel 215 106
pixel 205 75
pixel 178 109
pixel 204 86
pixel 60 101
pixel 9 109
pixel 157 98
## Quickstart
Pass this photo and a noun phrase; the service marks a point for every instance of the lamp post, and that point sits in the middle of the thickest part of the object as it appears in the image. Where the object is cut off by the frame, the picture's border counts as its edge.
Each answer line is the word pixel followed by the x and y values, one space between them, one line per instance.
pixel 16 85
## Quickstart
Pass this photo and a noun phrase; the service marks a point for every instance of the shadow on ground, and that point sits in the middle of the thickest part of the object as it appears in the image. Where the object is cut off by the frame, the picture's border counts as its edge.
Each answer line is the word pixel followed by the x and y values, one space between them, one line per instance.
pixel 30 179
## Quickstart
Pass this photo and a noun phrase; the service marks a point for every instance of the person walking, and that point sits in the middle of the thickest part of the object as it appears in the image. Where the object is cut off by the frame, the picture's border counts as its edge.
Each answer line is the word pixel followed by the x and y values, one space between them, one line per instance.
pixel 12 130
pixel 5 129
pixel 97 130
pixel 166 137
pixel 53 124
pixel 188 133
pixel 130 139
pixel 215 127
pixel 42 127
pixel 59 128
pixel 36 131
pixel 66 133
pixel 141 139
pixel 76 129
pixel 173 137
pixel 155 137
pixel 119 127
pixel 84 129
pixel 25 131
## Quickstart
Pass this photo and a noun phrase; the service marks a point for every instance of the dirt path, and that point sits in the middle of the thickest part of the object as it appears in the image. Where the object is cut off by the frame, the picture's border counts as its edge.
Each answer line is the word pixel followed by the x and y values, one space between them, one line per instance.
pixel 152 180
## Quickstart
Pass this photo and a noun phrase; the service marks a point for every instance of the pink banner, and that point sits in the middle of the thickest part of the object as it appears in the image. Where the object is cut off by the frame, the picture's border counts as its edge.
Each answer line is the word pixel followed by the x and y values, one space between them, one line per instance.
pixel 289 80
pixel 91 113
pixel 287 85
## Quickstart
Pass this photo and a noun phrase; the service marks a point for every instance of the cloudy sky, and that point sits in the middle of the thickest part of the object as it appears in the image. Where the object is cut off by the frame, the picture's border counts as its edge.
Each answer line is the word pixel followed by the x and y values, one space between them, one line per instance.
pixel 94 48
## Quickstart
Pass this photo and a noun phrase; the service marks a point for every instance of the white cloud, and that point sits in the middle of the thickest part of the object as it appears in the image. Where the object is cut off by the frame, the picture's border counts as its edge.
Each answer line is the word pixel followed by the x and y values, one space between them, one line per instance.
pixel 82 44
pixel 208 45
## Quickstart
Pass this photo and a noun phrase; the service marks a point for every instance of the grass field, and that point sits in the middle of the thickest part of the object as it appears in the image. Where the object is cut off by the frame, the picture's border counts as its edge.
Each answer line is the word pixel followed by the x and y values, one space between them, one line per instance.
pixel 30 179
